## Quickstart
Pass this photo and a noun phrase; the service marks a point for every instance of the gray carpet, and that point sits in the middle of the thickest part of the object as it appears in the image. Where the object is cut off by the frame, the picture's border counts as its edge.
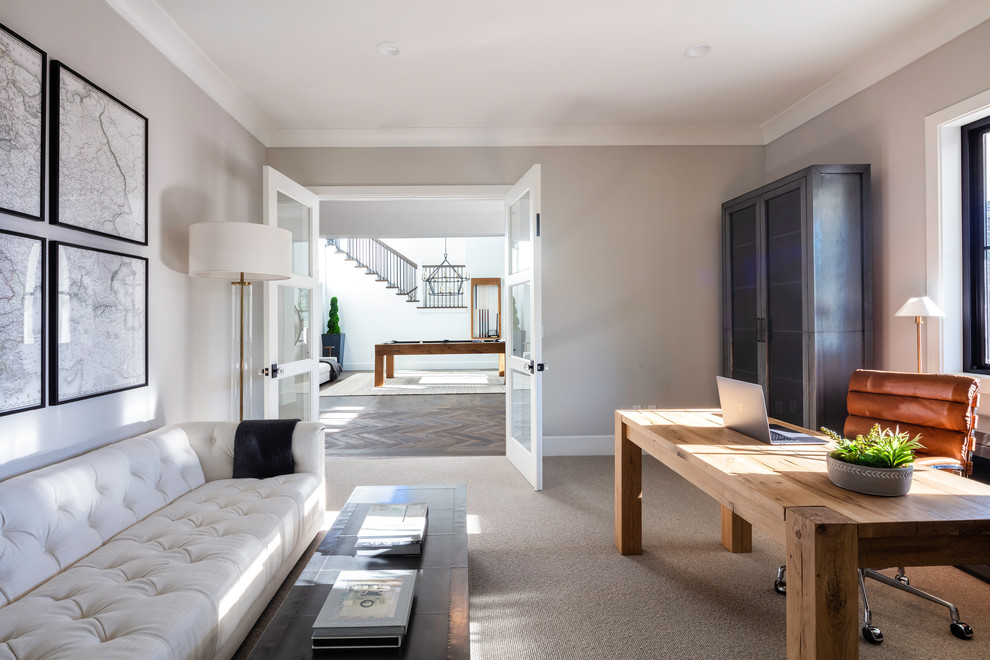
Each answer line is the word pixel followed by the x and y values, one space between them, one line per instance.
pixel 548 584
pixel 362 383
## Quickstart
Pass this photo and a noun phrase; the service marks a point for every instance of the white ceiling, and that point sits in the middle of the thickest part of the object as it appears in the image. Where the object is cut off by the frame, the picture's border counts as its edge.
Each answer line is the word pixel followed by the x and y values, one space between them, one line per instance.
pixel 305 72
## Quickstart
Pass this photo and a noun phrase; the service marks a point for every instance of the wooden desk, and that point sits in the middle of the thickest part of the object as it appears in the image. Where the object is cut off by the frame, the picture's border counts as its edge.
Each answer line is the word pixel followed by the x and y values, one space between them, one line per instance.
pixel 828 532
pixel 385 353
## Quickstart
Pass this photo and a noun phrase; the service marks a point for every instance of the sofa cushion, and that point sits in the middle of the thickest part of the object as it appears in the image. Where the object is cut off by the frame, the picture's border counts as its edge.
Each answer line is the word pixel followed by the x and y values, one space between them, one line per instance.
pixel 52 517
pixel 159 588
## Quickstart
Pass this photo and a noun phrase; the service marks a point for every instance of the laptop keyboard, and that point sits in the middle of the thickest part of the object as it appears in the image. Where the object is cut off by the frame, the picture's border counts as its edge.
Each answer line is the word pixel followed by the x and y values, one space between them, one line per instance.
pixel 780 438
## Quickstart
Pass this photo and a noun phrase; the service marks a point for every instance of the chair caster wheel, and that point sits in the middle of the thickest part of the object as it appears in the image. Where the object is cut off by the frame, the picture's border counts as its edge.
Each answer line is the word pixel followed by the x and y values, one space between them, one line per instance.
pixel 872 634
pixel 961 630
pixel 780 587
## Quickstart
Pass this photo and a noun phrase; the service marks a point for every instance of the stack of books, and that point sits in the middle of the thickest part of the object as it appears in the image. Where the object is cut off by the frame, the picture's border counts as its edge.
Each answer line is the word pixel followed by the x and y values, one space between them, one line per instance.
pixel 392 529
pixel 365 609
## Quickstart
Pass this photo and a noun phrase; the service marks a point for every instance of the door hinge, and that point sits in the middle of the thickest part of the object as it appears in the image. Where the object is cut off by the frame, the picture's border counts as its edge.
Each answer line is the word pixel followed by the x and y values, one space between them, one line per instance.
pixel 537 224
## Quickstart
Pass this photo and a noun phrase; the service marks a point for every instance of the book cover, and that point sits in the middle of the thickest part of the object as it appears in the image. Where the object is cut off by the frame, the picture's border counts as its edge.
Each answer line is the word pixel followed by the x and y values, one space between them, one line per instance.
pixel 367 604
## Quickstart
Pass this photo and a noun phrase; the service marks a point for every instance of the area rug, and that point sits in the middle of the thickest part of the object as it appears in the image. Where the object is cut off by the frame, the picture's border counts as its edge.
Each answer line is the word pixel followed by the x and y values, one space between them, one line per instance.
pixel 362 383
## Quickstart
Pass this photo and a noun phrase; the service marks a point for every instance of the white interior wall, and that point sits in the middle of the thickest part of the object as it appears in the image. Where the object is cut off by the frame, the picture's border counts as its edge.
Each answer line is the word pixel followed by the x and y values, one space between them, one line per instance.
pixel 202 165
pixel 371 314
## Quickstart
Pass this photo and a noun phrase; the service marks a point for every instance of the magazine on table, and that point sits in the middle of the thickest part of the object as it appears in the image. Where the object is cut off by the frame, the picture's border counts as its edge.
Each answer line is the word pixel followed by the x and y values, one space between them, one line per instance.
pixel 366 609
pixel 392 529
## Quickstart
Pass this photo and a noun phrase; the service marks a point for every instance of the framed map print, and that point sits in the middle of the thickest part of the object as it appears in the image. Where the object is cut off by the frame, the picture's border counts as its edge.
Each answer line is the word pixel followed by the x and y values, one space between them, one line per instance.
pixel 99 169
pixel 22 127
pixel 99 328
pixel 22 318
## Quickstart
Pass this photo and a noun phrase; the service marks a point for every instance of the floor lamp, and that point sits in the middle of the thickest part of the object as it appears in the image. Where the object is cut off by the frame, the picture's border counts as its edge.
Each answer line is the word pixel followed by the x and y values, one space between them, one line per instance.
pixel 919 308
pixel 241 253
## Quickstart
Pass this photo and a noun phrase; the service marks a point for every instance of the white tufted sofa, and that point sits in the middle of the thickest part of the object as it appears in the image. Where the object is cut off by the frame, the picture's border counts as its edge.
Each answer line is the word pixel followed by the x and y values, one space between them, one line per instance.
pixel 146 548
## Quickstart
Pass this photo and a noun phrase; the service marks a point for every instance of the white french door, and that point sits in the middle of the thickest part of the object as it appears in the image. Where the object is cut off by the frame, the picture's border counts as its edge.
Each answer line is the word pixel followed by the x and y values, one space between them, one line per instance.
pixel 523 329
pixel 292 311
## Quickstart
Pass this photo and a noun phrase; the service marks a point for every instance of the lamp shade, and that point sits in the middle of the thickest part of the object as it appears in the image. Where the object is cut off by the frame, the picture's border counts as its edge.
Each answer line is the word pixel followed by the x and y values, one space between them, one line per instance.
pixel 225 250
pixel 919 306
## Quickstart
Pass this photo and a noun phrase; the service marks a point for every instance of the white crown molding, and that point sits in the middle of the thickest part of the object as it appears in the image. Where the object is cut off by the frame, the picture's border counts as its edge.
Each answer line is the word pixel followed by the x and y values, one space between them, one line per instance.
pixel 148 18
pixel 885 60
pixel 524 136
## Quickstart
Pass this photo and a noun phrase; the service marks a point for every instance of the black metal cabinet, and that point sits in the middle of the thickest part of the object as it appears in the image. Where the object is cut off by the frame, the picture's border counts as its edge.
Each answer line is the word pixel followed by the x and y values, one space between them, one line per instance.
pixel 797 290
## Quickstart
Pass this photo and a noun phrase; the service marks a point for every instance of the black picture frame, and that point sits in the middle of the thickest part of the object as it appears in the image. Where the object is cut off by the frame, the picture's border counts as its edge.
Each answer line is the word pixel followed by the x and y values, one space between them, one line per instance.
pixel 99 160
pixel 22 170
pixel 20 264
pixel 99 322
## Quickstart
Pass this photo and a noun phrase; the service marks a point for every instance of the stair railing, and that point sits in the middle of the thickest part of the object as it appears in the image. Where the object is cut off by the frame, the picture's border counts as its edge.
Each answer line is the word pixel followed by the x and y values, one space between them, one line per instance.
pixel 387 264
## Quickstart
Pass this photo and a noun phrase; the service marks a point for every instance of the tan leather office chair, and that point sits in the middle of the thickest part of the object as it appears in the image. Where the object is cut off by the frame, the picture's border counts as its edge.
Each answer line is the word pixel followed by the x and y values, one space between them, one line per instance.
pixel 939 407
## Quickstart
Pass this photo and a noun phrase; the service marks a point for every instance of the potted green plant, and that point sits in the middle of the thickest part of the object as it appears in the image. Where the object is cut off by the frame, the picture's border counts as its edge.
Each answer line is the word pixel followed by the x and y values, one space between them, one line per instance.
pixel 333 338
pixel 879 463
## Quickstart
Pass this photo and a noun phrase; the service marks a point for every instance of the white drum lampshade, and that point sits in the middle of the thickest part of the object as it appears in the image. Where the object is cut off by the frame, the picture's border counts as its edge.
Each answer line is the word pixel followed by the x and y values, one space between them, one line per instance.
pixel 241 253
pixel 228 250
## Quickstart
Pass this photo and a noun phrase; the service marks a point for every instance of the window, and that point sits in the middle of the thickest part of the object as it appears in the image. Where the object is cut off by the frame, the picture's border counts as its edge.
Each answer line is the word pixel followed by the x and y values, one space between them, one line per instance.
pixel 976 245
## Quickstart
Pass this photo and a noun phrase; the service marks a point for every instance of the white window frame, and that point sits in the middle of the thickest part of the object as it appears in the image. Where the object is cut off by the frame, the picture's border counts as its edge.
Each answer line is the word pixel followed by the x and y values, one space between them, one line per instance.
pixel 943 213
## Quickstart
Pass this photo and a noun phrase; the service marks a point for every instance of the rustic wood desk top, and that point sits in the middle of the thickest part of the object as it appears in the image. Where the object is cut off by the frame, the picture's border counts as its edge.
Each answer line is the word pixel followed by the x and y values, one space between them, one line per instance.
pixel 785 491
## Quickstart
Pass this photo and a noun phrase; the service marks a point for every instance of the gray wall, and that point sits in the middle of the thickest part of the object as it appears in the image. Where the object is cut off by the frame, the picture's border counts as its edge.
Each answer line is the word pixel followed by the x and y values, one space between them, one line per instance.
pixel 631 259
pixel 202 166
pixel 885 126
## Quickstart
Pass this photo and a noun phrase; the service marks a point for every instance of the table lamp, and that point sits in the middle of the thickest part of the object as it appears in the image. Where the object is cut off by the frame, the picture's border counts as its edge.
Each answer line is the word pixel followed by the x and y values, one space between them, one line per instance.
pixel 919 308
pixel 241 253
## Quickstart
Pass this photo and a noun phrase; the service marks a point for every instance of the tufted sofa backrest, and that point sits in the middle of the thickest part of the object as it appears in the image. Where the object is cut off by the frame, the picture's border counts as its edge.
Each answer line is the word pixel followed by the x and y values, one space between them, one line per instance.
pixel 54 516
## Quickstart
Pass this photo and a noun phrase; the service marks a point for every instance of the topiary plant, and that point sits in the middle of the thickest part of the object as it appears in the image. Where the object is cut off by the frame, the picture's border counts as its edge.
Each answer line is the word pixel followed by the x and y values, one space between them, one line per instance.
pixel 879 448
pixel 333 321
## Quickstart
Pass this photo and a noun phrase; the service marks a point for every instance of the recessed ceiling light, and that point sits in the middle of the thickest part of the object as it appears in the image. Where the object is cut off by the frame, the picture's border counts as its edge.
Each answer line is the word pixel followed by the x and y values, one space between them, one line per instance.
pixel 697 50
pixel 387 48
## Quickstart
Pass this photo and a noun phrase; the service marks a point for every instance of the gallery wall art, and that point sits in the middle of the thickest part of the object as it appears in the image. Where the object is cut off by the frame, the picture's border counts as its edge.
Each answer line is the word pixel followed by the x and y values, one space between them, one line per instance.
pixel 99 170
pixel 22 126
pixel 99 322
pixel 22 319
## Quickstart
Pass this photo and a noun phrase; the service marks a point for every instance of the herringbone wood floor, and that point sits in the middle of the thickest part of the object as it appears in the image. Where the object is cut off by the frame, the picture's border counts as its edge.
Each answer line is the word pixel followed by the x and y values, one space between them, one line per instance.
pixel 426 425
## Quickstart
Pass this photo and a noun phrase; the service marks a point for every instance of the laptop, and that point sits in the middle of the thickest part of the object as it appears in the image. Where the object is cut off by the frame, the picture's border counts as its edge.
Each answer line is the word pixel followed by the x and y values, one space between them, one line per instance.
pixel 744 410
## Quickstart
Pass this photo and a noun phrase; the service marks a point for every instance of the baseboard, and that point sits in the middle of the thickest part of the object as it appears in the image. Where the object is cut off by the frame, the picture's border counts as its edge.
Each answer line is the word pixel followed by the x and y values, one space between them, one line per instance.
pixel 578 445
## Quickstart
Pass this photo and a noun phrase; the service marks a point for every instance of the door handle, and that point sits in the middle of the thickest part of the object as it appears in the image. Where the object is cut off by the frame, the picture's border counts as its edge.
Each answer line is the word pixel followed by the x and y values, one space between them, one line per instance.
pixel 274 371
pixel 537 367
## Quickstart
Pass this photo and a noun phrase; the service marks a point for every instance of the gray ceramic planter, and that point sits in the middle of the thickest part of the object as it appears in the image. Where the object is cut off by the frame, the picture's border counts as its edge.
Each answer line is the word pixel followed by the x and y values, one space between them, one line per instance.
pixel 870 480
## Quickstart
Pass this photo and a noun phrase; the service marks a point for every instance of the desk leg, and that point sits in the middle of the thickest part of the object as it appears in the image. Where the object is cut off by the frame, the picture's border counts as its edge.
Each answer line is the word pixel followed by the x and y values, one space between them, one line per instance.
pixel 379 370
pixel 390 366
pixel 822 590
pixel 501 364
pixel 737 534
pixel 628 493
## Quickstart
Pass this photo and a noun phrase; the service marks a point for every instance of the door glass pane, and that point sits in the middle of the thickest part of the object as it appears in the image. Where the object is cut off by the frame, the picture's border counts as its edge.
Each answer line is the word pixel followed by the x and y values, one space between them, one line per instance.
pixel 294 396
pixel 293 324
pixel 742 238
pixel 520 248
pixel 785 350
pixel 521 337
pixel 294 216
pixel 520 401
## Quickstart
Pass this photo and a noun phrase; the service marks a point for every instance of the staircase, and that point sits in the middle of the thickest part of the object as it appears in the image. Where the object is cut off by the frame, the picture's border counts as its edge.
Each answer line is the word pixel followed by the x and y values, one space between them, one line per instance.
pixel 378 259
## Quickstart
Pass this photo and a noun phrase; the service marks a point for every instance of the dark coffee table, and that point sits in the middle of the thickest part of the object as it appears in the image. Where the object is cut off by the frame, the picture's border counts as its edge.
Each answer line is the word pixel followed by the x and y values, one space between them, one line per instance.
pixel 439 624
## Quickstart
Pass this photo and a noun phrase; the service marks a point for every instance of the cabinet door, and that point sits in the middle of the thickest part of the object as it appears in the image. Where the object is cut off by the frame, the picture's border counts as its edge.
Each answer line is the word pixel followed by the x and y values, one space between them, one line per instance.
pixel 742 289
pixel 784 221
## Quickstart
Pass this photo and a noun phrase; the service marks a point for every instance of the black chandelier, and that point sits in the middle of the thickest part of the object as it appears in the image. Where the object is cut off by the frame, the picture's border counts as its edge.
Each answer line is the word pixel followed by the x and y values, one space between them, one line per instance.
pixel 445 279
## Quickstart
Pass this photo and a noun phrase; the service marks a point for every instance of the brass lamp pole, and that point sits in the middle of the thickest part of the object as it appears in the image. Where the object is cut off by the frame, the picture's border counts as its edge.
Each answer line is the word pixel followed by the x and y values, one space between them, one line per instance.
pixel 919 308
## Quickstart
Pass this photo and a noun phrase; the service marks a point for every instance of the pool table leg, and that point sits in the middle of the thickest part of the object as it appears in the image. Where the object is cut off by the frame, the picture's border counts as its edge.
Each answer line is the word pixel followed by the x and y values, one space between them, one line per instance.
pixel 501 364
pixel 379 370
pixel 390 366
